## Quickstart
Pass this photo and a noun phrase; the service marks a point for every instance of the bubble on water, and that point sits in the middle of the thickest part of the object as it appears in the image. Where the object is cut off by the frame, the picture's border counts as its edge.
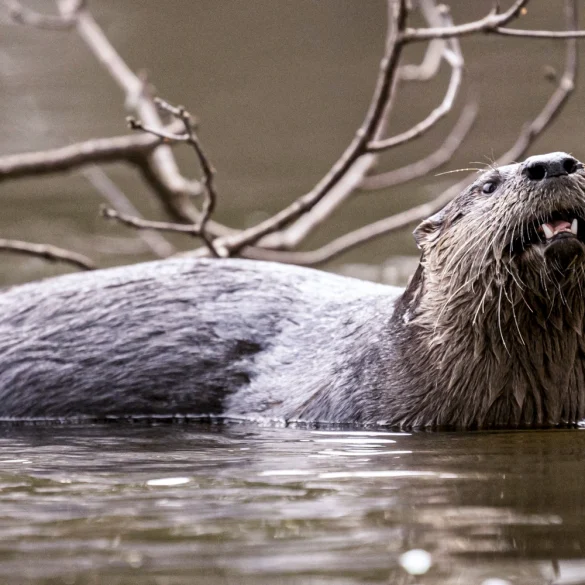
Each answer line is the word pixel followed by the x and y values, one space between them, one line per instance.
pixel 416 561
pixel 168 481
pixel 496 581
pixel 134 559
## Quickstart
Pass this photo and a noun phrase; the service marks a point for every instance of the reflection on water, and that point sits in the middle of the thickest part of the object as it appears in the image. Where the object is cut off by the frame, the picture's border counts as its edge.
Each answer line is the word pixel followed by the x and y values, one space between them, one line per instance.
pixel 242 504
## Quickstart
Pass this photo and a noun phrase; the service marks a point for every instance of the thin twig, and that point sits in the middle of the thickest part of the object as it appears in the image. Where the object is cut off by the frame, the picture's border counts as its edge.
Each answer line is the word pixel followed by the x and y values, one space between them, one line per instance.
pixel 433 57
pixel 489 23
pixel 541 34
pixel 165 136
pixel 146 224
pixel 47 252
pixel 436 159
pixel 28 17
pixel 439 112
pixel 154 182
pixel 115 197
pixel 189 136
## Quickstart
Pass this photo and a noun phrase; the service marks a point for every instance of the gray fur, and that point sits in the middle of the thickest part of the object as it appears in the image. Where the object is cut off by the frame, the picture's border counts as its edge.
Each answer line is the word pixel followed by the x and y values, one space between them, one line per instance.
pixel 488 333
pixel 185 337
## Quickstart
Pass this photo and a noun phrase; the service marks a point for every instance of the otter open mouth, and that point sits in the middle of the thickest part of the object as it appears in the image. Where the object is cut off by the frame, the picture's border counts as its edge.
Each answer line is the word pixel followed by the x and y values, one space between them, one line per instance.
pixel 558 229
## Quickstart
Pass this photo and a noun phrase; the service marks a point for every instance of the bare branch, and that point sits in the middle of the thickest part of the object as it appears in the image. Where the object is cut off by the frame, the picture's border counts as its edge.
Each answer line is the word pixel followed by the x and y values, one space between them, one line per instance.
pixel 455 59
pixel 47 252
pixel 23 15
pixel 115 197
pixel 489 23
pixel 415 214
pixel 354 176
pixel 493 23
pixel 190 137
pixel 95 151
pixel 377 109
pixel 146 224
pixel 163 171
pixel 292 224
pixel 436 159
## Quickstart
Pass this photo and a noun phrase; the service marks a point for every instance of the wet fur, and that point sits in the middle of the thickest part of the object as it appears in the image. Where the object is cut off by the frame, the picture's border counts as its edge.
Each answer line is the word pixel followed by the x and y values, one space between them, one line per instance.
pixel 483 336
pixel 503 331
pixel 188 337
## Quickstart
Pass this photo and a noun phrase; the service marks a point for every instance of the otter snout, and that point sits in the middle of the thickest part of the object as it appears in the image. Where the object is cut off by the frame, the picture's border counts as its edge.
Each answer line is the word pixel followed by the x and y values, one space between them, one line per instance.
pixel 546 166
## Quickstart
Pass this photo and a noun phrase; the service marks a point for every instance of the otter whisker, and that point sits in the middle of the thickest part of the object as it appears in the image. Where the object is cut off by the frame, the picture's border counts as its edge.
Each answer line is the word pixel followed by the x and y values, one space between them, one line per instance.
pixel 543 273
pixel 447 302
pixel 458 171
pixel 460 252
pixel 511 249
pixel 487 250
pixel 514 315
pixel 481 303
pixel 500 323
pixel 579 280
pixel 491 164
pixel 520 290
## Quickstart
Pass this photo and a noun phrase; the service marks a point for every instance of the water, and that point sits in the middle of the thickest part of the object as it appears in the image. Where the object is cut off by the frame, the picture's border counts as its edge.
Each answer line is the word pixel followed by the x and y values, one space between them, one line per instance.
pixel 251 505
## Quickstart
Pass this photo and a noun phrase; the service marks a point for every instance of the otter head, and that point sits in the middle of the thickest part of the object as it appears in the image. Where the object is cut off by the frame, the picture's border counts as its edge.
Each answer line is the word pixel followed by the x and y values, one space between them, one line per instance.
pixel 496 309
pixel 518 232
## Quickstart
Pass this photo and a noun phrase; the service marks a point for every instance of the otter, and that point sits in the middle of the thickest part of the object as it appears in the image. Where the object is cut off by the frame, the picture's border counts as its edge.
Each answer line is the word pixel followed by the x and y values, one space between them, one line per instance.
pixel 488 333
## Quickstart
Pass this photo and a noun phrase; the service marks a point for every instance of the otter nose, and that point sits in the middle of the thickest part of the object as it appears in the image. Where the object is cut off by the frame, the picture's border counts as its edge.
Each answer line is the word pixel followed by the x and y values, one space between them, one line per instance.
pixel 545 166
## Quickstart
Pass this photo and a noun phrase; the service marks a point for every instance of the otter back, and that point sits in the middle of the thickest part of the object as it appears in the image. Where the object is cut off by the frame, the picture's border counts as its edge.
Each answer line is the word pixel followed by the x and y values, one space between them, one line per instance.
pixel 190 337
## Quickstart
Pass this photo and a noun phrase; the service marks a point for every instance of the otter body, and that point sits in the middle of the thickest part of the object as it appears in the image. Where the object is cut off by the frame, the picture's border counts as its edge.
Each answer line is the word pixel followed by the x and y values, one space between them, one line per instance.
pixel 229 337
pixel 489 332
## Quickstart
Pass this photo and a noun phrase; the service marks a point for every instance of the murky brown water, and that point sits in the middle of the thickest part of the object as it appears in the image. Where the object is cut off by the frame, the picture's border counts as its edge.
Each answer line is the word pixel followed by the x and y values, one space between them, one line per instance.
pixel 280 88
pixel 188 504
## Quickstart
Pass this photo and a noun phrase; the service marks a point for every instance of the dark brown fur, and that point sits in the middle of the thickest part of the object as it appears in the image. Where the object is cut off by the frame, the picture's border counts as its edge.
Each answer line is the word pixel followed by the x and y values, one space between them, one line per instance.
pixel 493 326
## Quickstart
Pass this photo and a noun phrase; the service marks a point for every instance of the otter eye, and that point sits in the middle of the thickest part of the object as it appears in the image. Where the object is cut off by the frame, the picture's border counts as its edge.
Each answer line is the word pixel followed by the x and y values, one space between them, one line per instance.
pixel 489 187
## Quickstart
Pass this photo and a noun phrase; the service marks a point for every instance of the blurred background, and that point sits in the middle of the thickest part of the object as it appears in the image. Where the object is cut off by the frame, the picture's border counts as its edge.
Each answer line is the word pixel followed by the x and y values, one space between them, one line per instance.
pixel 279 88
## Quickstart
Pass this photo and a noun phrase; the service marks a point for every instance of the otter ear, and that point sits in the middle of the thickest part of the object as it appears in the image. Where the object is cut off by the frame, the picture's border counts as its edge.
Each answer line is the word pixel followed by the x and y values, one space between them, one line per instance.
pixel 429 230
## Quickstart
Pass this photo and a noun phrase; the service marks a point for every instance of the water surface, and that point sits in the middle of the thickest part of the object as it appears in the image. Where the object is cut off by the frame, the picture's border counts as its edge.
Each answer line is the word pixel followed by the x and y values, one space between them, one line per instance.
pixel 251 505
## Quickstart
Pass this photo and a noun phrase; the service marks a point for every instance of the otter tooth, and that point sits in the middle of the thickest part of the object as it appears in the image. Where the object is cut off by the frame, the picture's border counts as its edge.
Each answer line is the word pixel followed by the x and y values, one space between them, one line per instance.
pixel 547 231
pixel 575 226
